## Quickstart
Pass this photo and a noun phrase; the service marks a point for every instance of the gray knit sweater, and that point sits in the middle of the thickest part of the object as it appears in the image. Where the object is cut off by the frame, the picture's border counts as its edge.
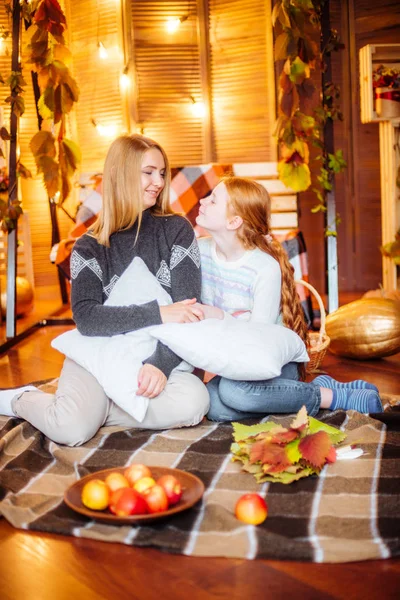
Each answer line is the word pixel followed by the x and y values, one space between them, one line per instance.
pixel 168 247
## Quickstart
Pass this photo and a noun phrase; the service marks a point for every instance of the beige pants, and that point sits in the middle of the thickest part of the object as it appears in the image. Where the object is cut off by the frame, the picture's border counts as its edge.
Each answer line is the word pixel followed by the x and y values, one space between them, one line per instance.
pixel 80 407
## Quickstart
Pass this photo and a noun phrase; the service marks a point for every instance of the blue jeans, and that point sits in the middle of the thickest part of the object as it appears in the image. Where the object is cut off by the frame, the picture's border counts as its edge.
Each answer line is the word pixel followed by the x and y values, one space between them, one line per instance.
pixel 235 400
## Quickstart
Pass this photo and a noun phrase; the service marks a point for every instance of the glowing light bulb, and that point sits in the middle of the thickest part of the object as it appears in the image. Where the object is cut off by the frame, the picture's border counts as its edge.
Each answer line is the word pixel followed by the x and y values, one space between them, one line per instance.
pixel 124 81
pixel 106 130
pixel 172 24
pixel 198 109
pixel 102 51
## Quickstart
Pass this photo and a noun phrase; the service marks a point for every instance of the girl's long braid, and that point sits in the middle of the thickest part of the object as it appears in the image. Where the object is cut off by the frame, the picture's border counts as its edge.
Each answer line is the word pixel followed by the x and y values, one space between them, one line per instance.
pixel 251 201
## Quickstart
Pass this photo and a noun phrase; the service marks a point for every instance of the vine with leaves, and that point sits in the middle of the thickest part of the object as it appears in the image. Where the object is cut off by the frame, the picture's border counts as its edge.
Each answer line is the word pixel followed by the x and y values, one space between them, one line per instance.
pixel 56 156
pixel 301 116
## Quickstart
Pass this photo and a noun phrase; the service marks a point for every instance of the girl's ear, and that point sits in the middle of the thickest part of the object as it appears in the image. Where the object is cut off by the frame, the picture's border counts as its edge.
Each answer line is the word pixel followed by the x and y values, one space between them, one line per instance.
pixel 234 222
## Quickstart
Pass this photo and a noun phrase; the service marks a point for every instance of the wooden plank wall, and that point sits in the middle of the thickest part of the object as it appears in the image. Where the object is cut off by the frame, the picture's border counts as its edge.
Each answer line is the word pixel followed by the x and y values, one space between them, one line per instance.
pixel 167 67
pixel 243 94
pixel 359 22
pixel 358 192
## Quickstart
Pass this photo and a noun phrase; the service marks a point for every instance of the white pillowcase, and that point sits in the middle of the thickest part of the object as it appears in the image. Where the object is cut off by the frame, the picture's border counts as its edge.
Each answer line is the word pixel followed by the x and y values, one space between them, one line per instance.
pixel 115 361
pixel 232 348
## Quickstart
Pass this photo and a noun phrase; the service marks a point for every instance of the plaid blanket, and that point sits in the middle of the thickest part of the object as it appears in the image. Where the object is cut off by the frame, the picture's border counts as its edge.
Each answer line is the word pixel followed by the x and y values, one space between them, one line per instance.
pixel 350 513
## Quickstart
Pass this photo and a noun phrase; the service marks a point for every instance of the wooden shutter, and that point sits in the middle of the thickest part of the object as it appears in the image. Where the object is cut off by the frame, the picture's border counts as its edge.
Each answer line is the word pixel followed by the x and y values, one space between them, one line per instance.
pixel 243 94
pixel 91 22
pixel 167 75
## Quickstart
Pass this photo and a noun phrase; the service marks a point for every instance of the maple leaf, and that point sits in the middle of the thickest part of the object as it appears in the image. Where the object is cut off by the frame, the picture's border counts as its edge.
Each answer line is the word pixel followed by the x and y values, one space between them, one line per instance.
pixel 269 453
pixel 336 436
pixel 241 432
pixel 331 456
pixel 271 433
pixel 272 469
pixel 252 468
pixel 285 477
pixel 315 448
pixel 293 452
pixel 283 437
pixel 300 422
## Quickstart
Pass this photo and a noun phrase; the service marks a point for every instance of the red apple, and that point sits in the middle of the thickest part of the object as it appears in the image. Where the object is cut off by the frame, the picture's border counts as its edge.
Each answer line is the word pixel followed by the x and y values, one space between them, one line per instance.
pixel 135 472
pixel 172 488
pixel 142 484
pixel 251 508
pixel 115 480
pixel 156 499
pixel 125 502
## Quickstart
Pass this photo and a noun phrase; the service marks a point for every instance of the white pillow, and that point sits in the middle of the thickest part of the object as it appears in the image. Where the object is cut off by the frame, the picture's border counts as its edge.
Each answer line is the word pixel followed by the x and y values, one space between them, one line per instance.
pixel 115 361
pixel 232 348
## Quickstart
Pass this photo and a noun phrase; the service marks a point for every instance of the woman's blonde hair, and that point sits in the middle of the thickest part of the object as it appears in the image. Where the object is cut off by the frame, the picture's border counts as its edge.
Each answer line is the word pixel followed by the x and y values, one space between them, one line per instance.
pixel 122 190
pixel 250 200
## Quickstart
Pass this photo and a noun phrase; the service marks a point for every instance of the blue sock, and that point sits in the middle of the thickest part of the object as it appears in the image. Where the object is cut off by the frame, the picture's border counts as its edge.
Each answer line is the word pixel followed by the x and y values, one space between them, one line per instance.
pixel 330 383
pixel 363 401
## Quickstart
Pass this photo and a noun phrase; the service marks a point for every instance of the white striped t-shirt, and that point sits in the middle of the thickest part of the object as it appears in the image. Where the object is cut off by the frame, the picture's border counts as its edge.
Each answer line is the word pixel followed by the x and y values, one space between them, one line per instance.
pixel 248 288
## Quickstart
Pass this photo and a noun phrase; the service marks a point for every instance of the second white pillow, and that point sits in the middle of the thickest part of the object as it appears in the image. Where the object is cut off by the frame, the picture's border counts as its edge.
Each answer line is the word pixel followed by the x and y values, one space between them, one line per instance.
pixel 234 349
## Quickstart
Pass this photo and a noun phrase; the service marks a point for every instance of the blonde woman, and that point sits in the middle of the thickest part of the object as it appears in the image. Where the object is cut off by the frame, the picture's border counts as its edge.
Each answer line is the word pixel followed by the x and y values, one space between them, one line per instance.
pixel 135 220
pixel 247 274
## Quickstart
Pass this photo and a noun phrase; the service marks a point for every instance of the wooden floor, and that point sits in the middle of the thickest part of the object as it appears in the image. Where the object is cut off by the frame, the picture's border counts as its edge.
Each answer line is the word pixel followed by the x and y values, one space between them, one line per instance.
pixel 54 567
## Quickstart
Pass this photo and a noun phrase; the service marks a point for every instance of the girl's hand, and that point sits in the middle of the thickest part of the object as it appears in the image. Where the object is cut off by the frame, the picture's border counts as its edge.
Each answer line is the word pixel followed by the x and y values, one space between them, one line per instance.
pixel 186 311
pixel 151 381
pixel 210 312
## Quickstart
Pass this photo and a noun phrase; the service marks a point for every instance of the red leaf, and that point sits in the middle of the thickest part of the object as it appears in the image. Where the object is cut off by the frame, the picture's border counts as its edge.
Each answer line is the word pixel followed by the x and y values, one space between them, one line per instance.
pixel 51 10
pixel 274 468
pixel 49 16
pixel 284 437
pixel 315 448
pixel 331 456
pixel 272 454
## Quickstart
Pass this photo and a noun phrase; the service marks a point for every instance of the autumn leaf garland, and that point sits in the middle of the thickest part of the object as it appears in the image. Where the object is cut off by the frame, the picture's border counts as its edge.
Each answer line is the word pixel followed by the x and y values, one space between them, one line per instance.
pixel 275 453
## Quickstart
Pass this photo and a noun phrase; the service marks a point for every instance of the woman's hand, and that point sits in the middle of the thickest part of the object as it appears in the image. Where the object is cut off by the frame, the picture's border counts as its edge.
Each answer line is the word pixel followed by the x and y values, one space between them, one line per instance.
pixel 151 381
pixel 186 311
pixel 210 312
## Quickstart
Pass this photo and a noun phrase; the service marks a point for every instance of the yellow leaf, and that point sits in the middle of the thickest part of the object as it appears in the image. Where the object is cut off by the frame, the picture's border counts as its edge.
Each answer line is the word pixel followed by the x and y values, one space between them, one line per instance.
pixel 295 176
pixel 299 71
pixel 62 54
pixel 43 144
pixel 44 110
pixel 72 153
pixel 298 146
pixel 51 175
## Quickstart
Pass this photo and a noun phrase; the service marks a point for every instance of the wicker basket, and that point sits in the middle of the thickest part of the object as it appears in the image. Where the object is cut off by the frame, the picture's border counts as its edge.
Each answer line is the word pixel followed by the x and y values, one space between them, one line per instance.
pixel 319 342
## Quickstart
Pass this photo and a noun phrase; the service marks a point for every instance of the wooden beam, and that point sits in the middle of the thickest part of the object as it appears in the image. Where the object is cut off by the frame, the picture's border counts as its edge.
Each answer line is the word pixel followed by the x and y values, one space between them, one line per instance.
pixel 13 185
pixel 269 40
pixel 204 52
pixel 129 97
pixel 387 148
pixel 331 242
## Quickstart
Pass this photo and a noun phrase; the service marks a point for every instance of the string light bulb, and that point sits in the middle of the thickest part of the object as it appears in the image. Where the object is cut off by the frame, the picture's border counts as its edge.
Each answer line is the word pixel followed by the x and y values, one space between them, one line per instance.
pixel 124 79
pixel 104 130
pixel 173 23
pixel 198 108
pixel 102 51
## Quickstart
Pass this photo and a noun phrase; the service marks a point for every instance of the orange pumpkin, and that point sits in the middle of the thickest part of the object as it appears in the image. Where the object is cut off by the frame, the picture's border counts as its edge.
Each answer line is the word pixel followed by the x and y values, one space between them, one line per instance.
pixel 365 329
pixel 24 295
